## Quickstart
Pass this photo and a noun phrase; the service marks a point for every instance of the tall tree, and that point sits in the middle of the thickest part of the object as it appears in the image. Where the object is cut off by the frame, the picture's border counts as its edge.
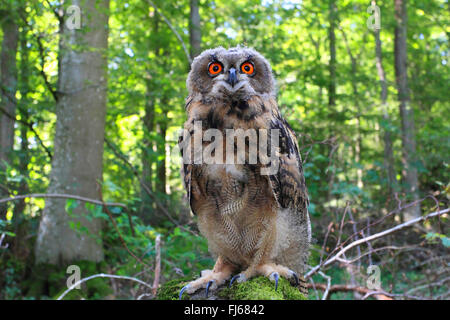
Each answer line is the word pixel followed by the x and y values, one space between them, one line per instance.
pixel 332 17
pixel 23 87
pixel 387 138
pixel 8 85
pixel 195 35
pixel 147 205
pixel 411 183
pixel 79 136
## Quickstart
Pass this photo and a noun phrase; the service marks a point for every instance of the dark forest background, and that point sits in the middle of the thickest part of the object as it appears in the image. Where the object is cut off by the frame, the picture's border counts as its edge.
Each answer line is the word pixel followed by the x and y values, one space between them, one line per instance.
pixel 92 97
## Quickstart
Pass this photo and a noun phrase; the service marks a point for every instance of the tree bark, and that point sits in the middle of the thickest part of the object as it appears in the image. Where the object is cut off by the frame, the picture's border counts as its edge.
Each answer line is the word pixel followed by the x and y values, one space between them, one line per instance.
pixel 195 36
pixel 332 62
pixel 24 157
pixel 79 136
pixel 358 143
pixel 8 76
pixel 410 176
pixel 387 139
pixel 161 167
pixel 147 205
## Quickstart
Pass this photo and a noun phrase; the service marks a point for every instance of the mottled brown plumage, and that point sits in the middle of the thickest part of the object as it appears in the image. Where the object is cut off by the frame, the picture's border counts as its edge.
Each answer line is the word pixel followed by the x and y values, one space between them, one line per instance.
pixel 254 223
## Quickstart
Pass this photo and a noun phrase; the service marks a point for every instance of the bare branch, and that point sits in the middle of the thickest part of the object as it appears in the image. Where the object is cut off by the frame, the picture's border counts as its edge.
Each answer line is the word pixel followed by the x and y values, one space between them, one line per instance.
pixel 118 231
pixel 44 76
pixel 122 157
pixel 374 237
pixel 63 196
pixel 381 295
pixel 28 124
pixel 101 275
pixel 327 289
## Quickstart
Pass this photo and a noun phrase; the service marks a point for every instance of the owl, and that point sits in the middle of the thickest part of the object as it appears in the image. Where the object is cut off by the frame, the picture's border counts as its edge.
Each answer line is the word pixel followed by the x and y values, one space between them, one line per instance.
pixel 253 209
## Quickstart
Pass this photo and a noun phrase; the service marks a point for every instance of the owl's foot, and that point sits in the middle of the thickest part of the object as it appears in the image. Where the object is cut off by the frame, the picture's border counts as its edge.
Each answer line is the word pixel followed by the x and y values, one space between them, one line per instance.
pixel 240 277
pixel 274 271
pixel 270 270
pixel 209 279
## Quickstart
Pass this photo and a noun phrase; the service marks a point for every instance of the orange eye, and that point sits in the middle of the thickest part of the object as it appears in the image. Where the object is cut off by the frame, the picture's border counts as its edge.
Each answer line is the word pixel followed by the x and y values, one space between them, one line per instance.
pixel 215 68
pixel 248 68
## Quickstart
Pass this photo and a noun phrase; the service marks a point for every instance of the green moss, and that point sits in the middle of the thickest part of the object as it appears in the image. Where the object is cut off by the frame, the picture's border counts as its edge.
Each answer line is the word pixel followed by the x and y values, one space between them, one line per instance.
pixel 171 289
pixel 258 288
pixel 261 288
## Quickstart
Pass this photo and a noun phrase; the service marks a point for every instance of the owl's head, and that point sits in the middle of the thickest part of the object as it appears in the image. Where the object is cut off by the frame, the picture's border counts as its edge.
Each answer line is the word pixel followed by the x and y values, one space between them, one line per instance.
pixel 234 74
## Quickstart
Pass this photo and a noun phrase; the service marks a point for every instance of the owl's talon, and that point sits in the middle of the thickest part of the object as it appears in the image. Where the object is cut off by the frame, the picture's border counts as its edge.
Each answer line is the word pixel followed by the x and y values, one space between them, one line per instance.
pixel 207 287
pixel 295 276
pixel 239 277
pixel 275 276
pixel 183 290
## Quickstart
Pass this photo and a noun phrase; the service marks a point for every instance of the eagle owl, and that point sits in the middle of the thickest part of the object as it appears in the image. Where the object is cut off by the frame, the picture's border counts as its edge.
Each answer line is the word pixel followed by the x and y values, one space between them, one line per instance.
pixel 254 217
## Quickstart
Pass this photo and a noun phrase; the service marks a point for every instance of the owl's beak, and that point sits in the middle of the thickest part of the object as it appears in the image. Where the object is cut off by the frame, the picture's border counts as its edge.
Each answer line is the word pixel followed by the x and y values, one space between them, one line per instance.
pixel 232 78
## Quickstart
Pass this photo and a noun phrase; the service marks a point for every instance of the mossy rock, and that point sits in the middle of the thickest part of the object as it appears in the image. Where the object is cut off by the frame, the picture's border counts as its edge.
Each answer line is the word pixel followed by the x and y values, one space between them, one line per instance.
pixel 258 288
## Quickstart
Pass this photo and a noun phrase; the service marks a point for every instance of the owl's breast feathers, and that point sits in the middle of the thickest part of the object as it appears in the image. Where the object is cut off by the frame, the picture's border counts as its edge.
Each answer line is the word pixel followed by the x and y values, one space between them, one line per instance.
pixel 287 183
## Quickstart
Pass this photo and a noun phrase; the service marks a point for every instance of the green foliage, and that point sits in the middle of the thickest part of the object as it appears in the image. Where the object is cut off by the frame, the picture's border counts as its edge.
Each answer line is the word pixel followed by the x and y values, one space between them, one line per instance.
pixel 147 69
pixel 436 237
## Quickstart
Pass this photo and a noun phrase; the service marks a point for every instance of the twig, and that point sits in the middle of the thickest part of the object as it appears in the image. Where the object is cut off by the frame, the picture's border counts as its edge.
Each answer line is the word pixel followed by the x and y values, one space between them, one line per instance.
pixel 118 232
pixel 27 124
pixel 145 187
pixel 144 295
pixel 377 293
pixel 64 196
pixel 345 288
pixel 428 285
pixel 370 251
pixel 373 237
pixel 347 206
pixel 157 265
pixel 325 240
pixel 327 289
pixel 101 275
pixel 44 76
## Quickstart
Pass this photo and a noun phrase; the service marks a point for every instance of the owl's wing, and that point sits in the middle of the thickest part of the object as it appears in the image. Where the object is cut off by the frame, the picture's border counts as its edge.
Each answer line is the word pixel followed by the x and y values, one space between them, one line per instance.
pixel 186 168
pixel 185 143
pixel 288 183
pixel 186 173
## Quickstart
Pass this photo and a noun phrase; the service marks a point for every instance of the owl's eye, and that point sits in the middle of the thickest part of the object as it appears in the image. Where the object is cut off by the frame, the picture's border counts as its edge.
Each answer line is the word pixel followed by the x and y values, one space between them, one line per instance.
pixel 247 68
pixel 215 68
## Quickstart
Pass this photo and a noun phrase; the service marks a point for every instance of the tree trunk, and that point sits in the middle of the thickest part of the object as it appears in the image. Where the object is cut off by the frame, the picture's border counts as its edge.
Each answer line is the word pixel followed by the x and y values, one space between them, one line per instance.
pixel 411 184
pixel 332 63
pixel 195 36
pixel 78 155
pixel 20 247
pixel 387 139
pixel 161 167
pixel 147 205
pixel 147 155
pixel 358 142
pixel 8 76
pixel 24 157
